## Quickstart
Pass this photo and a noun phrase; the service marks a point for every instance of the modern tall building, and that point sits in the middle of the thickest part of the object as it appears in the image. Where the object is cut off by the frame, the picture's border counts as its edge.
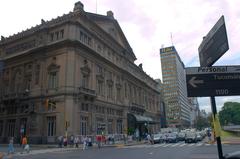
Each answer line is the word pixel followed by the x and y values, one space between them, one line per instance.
pixel 74 75
pixel 194 110
pixel 174 88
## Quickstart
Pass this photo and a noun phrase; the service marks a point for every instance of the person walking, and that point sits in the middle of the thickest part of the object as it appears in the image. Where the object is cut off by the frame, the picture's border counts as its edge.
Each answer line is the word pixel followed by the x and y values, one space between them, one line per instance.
pixel 149 139
pixel 84 143
pixel 76 141
pixel 65 142
pixel 10 146
pixel 98 139
pixel 25 146
pixel 72 141
pixel 60 141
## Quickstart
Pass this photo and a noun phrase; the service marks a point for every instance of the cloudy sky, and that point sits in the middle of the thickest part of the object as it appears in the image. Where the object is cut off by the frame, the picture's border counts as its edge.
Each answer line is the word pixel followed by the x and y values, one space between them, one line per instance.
pixel 147 24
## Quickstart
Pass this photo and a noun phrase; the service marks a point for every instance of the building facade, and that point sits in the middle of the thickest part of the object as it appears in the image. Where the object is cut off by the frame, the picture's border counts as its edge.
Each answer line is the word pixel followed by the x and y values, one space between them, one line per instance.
pixel 175 90
pixel 195 111
pixel 74 75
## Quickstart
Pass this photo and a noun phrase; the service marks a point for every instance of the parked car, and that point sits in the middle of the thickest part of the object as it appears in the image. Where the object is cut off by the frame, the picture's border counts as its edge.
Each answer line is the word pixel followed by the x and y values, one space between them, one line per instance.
pixel 158 138
pixel 172 138
pixel 199 136
pixel 191 137
pixel 181 136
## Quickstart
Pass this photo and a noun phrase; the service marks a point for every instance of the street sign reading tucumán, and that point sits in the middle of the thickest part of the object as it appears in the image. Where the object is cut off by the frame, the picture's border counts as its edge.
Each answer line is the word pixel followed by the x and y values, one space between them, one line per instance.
pixel 213 81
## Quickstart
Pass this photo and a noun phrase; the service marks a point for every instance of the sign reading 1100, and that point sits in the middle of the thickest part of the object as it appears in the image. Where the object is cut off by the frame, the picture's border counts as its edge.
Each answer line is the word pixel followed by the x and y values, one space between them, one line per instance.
pixel 213 81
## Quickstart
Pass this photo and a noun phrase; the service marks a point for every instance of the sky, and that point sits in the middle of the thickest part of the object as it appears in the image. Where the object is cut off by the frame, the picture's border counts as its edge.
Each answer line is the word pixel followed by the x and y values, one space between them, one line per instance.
pixel 147 24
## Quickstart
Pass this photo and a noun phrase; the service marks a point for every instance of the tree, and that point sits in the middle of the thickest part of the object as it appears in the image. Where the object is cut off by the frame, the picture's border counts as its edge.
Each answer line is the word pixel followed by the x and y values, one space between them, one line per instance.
pixel 230 113
pixel 201 122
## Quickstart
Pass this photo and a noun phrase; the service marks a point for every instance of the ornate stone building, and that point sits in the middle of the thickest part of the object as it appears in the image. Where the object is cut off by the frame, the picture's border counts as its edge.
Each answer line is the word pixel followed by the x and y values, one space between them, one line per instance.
pixel 74 75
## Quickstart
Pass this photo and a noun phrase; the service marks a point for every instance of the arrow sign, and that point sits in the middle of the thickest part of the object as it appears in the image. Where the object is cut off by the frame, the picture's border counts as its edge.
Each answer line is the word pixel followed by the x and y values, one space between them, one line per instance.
pixel 213 81
pixel 193 82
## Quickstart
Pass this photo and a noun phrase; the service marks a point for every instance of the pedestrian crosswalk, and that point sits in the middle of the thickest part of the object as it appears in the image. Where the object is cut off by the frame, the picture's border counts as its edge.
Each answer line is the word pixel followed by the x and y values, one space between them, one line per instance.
pixel 166 145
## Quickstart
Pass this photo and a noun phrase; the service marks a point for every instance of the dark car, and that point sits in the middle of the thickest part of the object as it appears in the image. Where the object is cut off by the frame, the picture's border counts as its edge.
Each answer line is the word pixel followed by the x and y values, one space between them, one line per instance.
pixel 172 138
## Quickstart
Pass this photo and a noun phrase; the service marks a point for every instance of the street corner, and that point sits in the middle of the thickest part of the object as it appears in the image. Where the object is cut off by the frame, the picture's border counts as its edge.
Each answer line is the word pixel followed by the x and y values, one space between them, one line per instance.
pixel 120 145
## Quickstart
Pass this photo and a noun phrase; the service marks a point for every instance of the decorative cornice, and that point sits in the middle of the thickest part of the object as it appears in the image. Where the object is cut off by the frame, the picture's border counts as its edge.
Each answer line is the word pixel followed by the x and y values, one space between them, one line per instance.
pixel 38 27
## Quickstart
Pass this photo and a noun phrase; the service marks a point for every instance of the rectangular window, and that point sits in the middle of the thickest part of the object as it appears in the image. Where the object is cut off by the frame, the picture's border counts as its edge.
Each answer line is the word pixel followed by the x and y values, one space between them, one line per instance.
pixel 83 125
pixel 110 126
pixel 119 126
pixel 11 128
pixel 119 94
pixel 81 36
pixel 84 107
pixel 51 121
pixel 110 92
pixel 126 91
pixel 100 126
pixel 85 81
pixel 37 74
pixel 61 33
pixel 99 87
pixel 53 80
pixel 51 36
pixel 57 35
pixel 1 128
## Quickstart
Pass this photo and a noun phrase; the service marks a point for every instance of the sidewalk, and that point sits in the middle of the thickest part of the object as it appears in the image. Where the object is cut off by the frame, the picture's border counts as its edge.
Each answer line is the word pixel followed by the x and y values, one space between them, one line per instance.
pixel 39 149
pixel 231 140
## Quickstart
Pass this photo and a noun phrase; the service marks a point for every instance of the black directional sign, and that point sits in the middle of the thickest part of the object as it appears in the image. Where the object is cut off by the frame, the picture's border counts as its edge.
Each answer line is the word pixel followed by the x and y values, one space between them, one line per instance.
pixel 213 81
pixel 214 45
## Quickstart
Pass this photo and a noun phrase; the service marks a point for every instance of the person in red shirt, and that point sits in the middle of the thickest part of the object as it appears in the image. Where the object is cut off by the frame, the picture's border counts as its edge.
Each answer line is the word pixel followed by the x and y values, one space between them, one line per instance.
pixel 98 139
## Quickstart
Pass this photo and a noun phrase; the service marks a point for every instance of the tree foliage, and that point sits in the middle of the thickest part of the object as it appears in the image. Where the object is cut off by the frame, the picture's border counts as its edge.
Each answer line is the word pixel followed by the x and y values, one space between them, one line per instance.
pixel 230 113
pixel 201 122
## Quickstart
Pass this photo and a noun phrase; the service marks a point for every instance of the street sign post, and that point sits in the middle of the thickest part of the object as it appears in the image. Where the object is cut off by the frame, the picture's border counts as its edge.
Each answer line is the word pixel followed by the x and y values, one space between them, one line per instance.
pixel 213 81
pixel 214 45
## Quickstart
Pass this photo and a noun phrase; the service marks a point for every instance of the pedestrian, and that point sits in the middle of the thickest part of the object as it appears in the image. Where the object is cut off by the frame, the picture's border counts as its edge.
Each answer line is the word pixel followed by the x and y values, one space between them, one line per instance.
pixel 60 141
pixel 149 139
pixel 76 141
pixel 98 139
pixel 24 143
pixel 84 143
pixel 65 141
pixel 209 135
pixel 89 141
pixel 72 141
pixel 10 146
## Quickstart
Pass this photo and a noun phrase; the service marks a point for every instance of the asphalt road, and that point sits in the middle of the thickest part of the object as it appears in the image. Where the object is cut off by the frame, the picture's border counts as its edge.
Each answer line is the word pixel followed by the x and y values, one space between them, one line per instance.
pixel 157 151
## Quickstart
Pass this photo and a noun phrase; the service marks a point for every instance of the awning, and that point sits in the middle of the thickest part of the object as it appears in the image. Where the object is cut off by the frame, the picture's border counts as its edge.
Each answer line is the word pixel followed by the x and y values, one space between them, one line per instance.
pixel 143 119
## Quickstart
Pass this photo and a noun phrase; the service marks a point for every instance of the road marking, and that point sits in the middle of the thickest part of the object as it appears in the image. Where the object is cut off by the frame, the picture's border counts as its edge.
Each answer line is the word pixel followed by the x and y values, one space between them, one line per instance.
pixel 199 144
pixel 166 145
pixel 175 145
pixel 182 145
pixel 156 145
